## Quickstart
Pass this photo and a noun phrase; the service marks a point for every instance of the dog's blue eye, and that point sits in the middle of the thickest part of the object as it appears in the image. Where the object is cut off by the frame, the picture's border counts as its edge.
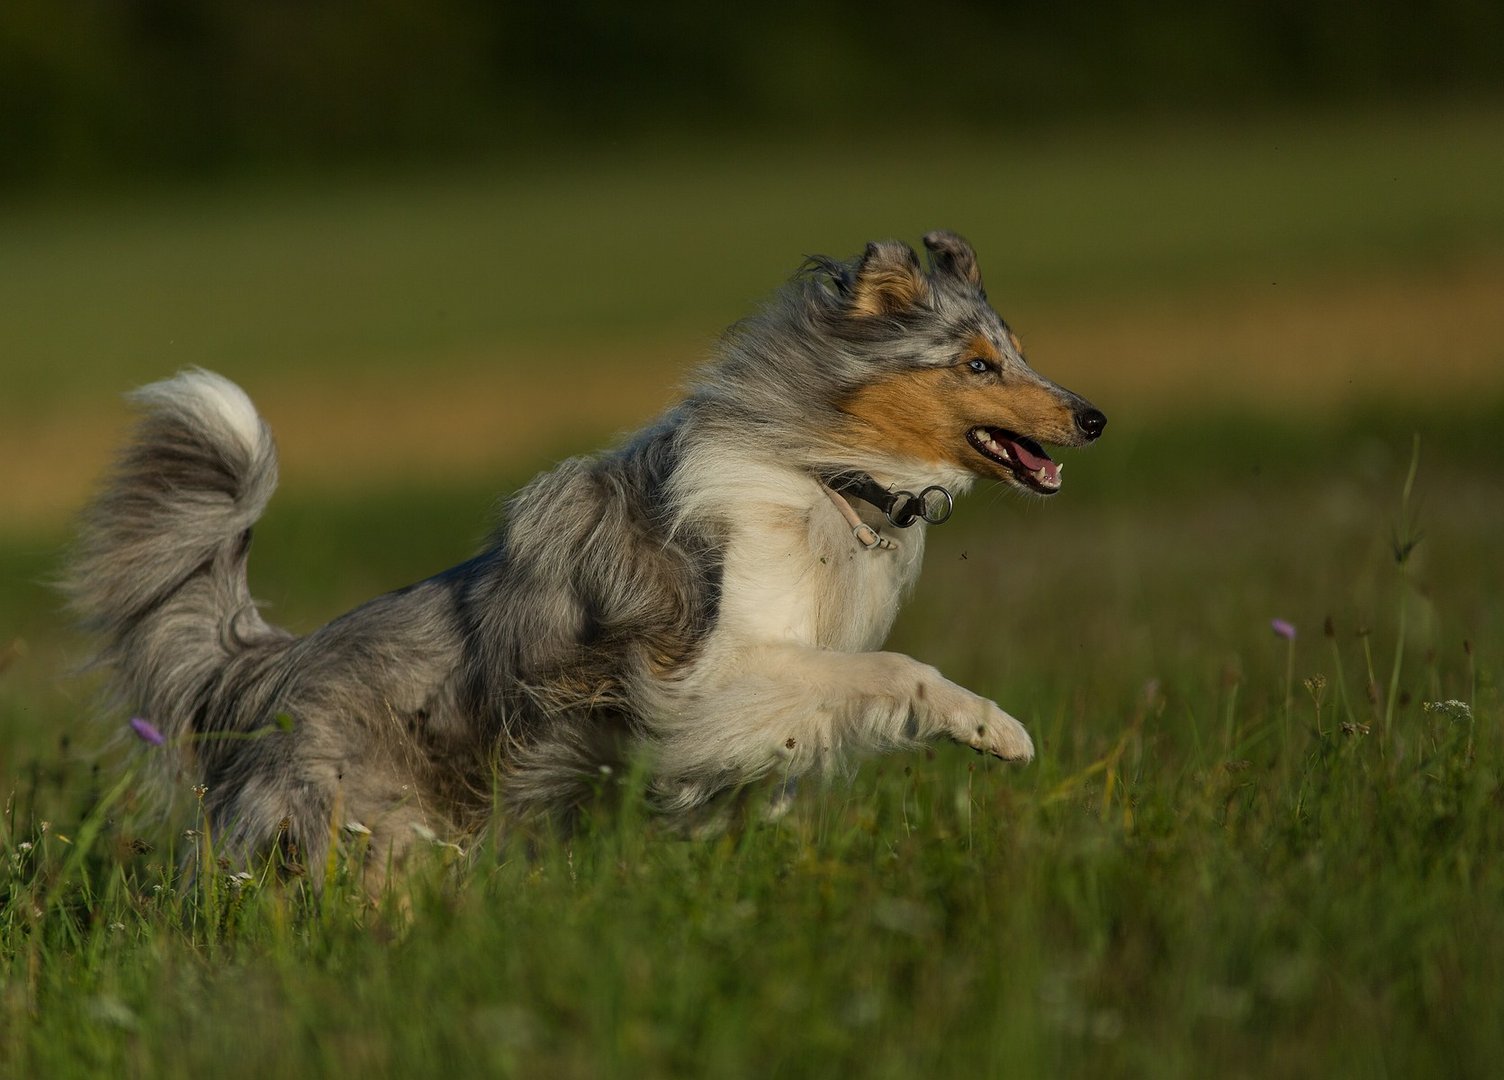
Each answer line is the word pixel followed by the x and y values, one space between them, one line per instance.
pixel 981 367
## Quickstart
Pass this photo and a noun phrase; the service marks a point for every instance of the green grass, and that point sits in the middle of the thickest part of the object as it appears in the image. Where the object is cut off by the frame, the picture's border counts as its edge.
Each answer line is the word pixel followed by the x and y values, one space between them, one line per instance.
pixel 1191 880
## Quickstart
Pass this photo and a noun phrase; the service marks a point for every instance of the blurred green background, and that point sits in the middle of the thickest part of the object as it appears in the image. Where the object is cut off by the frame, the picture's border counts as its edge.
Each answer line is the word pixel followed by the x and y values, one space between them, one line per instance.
pixel 95 88
pixel 443 244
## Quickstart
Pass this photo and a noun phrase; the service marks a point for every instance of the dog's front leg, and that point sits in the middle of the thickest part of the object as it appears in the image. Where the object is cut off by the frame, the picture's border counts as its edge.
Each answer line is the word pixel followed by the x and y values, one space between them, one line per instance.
pixel 785 708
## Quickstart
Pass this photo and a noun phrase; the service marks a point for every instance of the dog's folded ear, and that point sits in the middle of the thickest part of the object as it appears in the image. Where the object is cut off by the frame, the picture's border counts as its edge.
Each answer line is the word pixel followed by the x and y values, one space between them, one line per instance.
pixel 952 255
pixel 889 280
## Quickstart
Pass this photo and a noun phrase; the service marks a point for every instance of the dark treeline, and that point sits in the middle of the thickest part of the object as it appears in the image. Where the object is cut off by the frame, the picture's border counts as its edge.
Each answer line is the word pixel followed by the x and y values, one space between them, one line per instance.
pixel 92 88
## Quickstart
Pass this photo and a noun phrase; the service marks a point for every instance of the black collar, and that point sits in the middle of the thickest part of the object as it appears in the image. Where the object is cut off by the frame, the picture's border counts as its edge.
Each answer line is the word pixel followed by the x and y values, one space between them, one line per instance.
pixel 902 508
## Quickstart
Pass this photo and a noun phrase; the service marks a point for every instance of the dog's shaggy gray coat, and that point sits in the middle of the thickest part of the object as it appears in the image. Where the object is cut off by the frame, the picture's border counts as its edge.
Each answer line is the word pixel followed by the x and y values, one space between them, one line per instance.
pixel 692 594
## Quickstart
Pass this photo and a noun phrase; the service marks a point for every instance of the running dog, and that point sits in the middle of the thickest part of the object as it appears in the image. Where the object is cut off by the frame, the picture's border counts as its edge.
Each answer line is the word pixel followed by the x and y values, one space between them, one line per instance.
pixel 706 598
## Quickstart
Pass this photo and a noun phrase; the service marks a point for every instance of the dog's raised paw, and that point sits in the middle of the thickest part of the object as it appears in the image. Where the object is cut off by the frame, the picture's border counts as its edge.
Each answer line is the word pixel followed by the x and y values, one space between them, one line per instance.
pixel 973 721
pixel 998 734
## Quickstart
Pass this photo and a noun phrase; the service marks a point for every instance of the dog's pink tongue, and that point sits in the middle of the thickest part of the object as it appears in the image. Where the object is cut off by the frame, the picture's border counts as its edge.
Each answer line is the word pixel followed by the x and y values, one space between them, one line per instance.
pixel 1033 462
pixel 1029 461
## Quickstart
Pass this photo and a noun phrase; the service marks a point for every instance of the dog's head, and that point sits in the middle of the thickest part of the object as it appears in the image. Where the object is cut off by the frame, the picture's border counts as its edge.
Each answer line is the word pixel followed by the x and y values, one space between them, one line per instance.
pixel 945 382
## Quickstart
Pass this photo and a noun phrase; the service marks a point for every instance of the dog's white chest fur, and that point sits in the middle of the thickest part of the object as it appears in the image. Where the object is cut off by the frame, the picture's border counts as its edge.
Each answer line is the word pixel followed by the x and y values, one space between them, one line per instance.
pixel 793 572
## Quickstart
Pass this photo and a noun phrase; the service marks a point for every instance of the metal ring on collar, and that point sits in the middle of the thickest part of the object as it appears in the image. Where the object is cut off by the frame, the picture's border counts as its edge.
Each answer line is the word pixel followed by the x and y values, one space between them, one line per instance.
pixel 901 508
pixel 935 513
pixel 933 504
pixel 900 512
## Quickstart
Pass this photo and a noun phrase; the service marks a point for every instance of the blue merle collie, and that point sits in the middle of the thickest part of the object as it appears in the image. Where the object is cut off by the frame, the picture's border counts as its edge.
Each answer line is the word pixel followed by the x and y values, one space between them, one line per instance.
pixel 708 598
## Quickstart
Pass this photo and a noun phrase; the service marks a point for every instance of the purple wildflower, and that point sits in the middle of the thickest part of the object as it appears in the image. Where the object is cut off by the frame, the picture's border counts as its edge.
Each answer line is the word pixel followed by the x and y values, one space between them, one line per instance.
pixel 1282 629
pixel 146 731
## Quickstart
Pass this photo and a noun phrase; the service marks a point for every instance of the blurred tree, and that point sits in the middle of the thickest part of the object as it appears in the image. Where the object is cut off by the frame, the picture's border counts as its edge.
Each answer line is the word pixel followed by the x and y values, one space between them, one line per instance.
pixel 89 88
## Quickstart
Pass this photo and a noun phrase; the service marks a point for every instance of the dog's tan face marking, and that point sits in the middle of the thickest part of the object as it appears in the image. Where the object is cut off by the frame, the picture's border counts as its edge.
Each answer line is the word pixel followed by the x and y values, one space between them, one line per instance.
pixel 904 415
pixel 927 415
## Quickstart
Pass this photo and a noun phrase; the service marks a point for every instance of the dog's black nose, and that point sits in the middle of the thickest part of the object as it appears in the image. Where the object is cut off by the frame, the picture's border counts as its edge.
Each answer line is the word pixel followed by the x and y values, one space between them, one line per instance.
pixel 1091 422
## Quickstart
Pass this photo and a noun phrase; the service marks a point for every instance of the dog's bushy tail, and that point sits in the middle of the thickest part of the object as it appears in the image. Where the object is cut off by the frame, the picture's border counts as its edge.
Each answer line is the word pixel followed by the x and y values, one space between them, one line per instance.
pixel 159 569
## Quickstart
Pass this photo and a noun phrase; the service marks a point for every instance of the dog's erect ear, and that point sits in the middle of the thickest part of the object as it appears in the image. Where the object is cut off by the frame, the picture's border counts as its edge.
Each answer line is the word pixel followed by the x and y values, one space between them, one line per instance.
pixel 950 254
pixel 888 280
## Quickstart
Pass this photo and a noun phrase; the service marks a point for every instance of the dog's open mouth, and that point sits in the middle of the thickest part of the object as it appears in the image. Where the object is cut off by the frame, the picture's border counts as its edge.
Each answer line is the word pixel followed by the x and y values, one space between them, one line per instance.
pixel 1024 458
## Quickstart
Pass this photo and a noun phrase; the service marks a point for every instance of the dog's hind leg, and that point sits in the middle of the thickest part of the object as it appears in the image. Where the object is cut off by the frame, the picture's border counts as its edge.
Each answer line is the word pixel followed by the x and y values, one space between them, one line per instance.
pixel 783 709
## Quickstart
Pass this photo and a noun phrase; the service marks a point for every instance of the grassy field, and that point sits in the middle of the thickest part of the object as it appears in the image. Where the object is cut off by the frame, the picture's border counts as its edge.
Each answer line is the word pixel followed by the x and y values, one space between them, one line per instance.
pixel 1235 855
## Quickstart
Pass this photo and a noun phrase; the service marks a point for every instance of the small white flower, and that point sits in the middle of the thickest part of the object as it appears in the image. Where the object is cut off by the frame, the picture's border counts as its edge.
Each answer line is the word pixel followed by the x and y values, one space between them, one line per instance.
pixel 24 846
pixel 117 926
pixel 1452 709
pixel 425 833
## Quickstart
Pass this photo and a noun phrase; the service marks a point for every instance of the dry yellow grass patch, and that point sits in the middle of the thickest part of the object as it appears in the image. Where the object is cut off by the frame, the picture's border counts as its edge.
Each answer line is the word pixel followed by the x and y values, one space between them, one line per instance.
pixel 1432 336
pixel 1426 338
pixel 455 417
